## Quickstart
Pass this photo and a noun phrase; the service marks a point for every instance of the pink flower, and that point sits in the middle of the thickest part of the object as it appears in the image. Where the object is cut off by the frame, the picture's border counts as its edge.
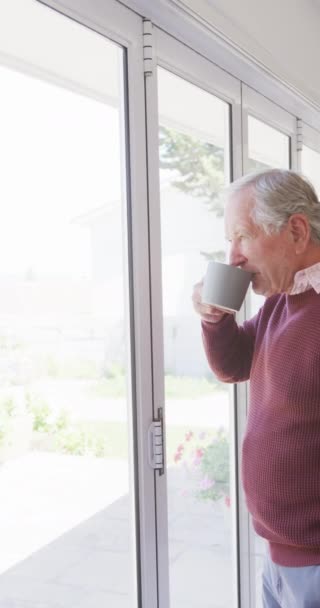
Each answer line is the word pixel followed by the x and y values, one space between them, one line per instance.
pixel 180 448
pixel 177 457
pixel 184 493
pixel 189 435
pixel 206 483
pixel 198 457
pixel 227 501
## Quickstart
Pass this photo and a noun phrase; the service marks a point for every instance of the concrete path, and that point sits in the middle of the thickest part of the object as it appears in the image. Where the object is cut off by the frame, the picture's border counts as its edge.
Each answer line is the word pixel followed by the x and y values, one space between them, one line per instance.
pixel 66 537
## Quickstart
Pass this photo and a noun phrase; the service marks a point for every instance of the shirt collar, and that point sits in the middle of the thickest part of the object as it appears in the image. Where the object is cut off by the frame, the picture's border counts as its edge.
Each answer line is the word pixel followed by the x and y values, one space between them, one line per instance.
pixel 307 278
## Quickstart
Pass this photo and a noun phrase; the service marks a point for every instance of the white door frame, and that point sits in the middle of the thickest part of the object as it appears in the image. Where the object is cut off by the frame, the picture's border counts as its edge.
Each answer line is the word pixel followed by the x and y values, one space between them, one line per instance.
pixel 186 63
pixel 123 26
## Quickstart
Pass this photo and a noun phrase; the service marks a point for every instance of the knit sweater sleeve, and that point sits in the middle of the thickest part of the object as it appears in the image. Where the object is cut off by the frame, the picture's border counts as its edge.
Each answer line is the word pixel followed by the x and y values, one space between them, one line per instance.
pixel 229 347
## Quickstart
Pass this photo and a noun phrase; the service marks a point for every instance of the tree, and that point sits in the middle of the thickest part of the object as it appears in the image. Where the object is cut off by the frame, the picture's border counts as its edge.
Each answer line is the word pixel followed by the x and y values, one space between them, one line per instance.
pixel 199 166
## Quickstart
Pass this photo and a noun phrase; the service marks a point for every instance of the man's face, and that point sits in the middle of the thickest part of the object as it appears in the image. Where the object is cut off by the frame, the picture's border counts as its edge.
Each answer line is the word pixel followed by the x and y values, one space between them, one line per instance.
pixel 271 258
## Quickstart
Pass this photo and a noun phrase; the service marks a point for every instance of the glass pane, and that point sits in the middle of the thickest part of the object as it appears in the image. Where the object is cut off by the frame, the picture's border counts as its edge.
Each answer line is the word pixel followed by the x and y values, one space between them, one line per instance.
pixel 66 520
pixel 268 148
pixel 310 166
pixel 194 167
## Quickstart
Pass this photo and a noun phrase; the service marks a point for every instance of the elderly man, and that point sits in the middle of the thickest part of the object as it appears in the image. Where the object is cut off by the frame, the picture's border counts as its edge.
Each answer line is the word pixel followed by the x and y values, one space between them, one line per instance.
pixel 273 224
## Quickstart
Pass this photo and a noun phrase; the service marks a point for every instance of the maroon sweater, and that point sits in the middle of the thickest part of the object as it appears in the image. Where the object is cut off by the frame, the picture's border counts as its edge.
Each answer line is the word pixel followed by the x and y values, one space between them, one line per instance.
pixel 279 351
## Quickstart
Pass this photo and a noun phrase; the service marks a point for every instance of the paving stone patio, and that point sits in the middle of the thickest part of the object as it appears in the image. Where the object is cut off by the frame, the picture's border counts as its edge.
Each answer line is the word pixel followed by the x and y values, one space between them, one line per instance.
pixel 66 538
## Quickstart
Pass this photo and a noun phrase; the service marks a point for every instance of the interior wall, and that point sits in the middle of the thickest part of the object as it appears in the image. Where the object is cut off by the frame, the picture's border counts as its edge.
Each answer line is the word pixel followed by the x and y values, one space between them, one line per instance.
pixel 283 36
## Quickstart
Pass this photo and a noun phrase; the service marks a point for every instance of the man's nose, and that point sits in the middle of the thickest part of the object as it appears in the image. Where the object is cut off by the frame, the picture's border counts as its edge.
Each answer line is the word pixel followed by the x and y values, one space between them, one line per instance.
pixel 236 258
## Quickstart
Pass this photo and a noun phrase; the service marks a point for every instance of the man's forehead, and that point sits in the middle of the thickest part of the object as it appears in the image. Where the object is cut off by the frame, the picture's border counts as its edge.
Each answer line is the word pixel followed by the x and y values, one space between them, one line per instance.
pixel 238 213
pixel 239 205
pixel 243 199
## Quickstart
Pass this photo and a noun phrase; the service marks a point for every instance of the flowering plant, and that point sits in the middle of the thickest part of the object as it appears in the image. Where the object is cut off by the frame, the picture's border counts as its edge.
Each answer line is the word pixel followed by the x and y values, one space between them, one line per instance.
pixel 206 458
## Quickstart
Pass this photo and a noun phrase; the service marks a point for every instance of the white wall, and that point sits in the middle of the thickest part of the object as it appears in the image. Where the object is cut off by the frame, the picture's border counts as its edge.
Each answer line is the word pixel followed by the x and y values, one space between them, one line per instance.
pixel 282 35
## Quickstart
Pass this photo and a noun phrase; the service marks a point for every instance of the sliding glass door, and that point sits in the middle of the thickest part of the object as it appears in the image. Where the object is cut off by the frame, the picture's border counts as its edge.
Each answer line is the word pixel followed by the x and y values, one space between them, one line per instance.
pixel 67 484
pixel 195 104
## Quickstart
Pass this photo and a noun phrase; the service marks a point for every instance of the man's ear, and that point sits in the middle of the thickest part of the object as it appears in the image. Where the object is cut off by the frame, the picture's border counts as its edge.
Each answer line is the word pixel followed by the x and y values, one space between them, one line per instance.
pixel 299 228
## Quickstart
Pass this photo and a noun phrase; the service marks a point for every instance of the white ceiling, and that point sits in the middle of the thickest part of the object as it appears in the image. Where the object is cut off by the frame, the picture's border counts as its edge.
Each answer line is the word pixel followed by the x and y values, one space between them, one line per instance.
pixel 282 35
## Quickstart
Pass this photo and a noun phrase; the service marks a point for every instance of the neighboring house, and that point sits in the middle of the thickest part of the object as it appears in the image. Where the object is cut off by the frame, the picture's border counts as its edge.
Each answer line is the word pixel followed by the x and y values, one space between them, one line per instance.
pixel 187 230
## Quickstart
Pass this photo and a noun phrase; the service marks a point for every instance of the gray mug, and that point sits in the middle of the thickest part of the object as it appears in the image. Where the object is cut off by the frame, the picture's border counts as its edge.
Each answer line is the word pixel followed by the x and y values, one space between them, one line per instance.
pixel 225 286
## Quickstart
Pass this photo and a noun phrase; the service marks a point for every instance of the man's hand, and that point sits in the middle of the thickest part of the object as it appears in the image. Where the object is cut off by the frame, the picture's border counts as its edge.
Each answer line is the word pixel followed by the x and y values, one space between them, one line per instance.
pixel 208 313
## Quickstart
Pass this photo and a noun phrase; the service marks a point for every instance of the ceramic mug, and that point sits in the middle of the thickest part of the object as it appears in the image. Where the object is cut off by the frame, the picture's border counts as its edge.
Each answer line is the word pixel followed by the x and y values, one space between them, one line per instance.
pixel 225 286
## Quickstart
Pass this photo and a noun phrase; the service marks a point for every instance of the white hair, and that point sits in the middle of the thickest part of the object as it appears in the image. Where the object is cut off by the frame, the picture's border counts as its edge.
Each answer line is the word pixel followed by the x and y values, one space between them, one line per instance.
pixel 277 194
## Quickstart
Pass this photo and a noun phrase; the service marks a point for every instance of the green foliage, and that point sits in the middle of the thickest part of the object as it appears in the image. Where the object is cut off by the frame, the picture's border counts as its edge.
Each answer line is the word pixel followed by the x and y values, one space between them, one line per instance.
pixel 61 433
pixel 7 410
pixel 199 166
pixel 72 442
pixel 40 411
pixel 7 406
pixel 81 442
pixel 62 421
pixel 72 367
pixel 215 468
pixel 115 370
pixel 10 343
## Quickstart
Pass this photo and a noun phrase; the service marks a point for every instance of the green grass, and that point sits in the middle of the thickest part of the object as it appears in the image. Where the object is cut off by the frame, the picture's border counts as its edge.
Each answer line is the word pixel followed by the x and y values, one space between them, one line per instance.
pixel 176 387
pixel 109 387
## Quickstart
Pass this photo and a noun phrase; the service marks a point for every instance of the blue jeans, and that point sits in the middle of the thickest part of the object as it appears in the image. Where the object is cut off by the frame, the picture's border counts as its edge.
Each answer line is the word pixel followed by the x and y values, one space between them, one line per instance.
pixel 284 587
